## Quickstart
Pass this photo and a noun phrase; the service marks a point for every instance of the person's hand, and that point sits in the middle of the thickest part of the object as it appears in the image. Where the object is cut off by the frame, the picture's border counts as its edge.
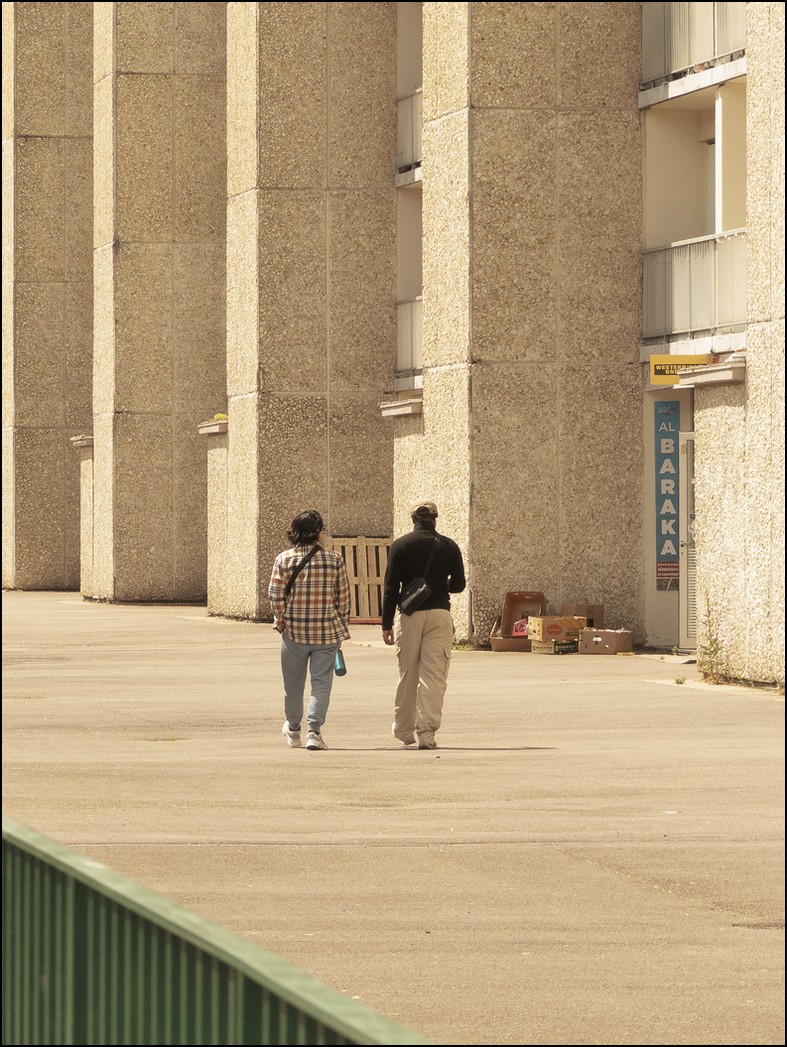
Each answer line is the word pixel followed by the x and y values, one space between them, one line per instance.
pixel 388 637
pixel 279 627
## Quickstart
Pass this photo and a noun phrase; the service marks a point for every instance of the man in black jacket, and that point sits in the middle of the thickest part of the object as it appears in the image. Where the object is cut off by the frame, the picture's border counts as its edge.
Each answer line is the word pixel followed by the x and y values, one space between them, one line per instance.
pixel 424 637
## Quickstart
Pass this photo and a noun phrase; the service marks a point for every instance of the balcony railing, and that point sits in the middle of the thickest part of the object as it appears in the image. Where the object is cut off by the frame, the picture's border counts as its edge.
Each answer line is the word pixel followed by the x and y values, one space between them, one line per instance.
pixel 677 37
pixel 409 342
pixel 696 285
pixel 408 140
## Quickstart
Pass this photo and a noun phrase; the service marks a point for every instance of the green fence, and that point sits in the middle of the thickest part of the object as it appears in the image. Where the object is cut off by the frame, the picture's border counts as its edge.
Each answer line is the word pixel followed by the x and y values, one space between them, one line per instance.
pixel 90 957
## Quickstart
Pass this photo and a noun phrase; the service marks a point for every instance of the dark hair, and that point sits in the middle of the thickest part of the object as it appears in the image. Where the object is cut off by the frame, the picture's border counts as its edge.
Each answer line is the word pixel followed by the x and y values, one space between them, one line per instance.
pixel 305 527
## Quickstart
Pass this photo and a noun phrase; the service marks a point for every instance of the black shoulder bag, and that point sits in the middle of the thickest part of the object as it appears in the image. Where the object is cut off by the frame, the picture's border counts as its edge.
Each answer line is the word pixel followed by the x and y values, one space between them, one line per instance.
pixel 416 592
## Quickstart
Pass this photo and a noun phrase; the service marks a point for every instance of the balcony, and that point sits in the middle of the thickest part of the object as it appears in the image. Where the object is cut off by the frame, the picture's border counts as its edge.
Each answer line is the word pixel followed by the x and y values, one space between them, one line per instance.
pixel 409 112
pixel 686 37
pixel 409 344
pixel 696 285
pixel 408 381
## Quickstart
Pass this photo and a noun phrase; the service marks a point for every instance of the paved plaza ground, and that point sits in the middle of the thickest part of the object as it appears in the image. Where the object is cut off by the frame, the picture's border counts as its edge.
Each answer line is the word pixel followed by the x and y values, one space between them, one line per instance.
pixel 594 855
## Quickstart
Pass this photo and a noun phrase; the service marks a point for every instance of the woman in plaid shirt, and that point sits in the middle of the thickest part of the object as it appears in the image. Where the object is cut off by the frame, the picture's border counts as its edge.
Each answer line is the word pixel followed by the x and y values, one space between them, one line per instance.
pixel 312 619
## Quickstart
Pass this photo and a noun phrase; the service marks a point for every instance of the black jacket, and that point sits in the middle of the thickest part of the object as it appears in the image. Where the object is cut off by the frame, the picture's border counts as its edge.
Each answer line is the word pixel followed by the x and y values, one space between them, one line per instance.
pixel 407 559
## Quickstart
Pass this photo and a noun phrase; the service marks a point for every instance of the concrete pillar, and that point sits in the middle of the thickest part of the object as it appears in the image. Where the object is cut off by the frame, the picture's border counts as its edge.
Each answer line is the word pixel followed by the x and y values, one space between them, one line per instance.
pixel 532 227
pixel 219 538
pixel 47 286
pixel 159 263
pixel 761 655
pixel 83 445
pixel 740 427
pixel 445 453
pixel 311 279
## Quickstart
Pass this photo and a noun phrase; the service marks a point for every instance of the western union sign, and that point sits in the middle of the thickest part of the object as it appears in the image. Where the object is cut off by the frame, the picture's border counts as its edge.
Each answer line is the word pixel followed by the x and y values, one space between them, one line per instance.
pixel 665 370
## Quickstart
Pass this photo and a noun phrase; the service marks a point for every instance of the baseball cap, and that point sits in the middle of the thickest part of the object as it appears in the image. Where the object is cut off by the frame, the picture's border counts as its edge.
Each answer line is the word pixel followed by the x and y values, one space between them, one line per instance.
pixel 424 508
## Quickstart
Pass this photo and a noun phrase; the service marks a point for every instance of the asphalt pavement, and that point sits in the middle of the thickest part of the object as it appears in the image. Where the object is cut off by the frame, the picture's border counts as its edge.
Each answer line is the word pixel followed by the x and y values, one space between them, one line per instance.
pixel 593 855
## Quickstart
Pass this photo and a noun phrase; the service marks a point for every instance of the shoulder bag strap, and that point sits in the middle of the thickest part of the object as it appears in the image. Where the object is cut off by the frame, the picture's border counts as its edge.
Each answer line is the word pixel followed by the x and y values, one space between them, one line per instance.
pixel 432 551
pixel 298 569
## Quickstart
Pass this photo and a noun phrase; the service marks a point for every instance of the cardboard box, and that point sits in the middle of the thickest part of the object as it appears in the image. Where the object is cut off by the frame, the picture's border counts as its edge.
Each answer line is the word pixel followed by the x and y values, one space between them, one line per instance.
pixel 605 641
pixel 594 612
pixel 507 643
pixel 518 605
pixel 555 646
pixel 556 627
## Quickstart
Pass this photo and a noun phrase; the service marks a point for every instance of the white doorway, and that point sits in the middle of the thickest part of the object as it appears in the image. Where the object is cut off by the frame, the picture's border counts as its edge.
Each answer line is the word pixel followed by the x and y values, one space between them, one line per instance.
pixel 687 559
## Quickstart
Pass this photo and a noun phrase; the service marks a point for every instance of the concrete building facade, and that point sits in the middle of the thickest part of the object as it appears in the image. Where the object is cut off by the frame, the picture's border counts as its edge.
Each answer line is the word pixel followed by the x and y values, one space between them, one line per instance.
pixel 259 257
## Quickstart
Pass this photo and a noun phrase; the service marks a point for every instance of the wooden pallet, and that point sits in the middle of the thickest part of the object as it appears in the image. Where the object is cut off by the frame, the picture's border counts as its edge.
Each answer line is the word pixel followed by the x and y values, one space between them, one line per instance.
pixel 365 560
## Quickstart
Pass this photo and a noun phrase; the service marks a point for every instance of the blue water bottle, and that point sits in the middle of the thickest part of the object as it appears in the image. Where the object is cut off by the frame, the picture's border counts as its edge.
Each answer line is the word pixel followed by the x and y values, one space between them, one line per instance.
pixel 338 663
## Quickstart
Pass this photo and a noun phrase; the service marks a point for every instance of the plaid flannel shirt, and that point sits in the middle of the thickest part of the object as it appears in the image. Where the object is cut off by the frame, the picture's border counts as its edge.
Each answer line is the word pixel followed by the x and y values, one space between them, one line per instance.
pixel 318 607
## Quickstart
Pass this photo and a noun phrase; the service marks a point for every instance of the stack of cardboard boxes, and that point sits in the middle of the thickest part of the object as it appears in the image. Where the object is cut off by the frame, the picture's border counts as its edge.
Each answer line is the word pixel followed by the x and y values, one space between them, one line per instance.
pixel 524 625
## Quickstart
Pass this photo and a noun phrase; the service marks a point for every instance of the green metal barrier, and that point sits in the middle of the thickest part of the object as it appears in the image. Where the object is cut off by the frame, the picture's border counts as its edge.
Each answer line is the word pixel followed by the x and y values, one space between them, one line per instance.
pixel 90 957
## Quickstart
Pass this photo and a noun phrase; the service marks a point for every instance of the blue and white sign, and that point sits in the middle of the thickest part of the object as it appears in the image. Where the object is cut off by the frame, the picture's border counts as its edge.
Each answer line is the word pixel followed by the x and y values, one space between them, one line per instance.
pixel 667 455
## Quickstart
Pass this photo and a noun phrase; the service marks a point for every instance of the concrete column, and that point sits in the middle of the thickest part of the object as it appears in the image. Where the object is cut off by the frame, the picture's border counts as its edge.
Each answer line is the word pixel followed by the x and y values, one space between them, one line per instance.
pixel 159 263
pixel 237 559
pixel 760 656
pixel 311 225
pixel 219 539
pixel 740 427
pixel 445 453
pixel 532 227
pixel 47 286
pixel 83 445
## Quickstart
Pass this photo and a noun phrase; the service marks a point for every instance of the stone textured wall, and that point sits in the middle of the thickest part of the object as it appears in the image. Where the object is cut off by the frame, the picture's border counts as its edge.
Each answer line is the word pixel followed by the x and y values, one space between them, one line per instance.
pixel 311 276
pixel 720 526
pixel 47 286
pixel 765 341
pixel 159 342
pixel 218 538
pixel 740 429
pixel 235 549
pixel 445 457
pixel 532 234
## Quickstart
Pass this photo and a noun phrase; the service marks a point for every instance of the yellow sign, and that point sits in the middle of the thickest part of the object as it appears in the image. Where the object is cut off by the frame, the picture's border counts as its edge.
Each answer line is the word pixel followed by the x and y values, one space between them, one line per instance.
pixel 665 370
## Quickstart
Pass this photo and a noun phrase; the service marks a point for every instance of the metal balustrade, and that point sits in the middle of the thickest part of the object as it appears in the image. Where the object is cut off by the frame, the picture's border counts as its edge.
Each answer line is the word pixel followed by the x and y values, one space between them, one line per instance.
pixel 409 338
pixel 695 285
pixel 409 123
pixel 90 957
pixel 685 36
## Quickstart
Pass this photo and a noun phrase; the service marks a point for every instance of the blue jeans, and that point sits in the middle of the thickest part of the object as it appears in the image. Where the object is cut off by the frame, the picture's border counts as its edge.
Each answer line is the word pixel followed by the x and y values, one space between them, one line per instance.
pixel 296 660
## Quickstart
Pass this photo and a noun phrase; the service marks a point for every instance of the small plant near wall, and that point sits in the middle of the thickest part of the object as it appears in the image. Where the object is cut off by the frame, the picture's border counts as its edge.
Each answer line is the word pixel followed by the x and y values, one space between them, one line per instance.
pixel 220 417
pixel 710 652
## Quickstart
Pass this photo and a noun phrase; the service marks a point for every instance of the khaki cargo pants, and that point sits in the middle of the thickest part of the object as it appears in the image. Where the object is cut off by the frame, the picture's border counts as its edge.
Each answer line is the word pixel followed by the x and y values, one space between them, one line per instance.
pixel 423 648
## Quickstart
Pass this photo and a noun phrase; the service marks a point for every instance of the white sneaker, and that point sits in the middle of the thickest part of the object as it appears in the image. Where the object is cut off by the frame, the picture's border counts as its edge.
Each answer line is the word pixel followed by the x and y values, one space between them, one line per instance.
pixel 293 737
pixel 314 741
